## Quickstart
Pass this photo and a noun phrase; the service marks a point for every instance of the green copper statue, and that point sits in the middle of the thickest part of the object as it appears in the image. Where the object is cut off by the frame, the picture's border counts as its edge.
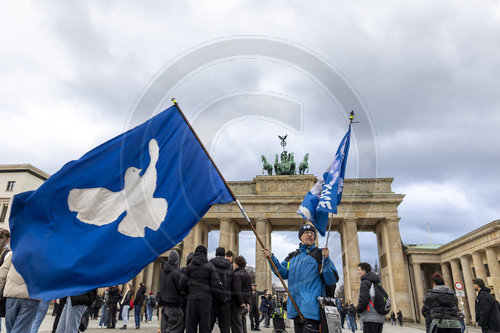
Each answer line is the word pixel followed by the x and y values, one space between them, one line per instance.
pixel 285 165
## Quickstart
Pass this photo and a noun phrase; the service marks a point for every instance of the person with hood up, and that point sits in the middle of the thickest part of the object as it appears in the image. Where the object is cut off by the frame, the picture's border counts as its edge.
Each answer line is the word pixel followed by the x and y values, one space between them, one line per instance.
pixel 140 296
pixel 372 320
pixel 487 312
pixel 305 281
pixel 170 296
pixel 443 305
pixel 201 281
pixel 221 306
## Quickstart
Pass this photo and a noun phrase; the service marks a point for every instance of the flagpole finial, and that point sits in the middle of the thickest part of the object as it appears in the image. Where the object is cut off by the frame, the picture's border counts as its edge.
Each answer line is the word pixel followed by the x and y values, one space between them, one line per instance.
pixel 351 118
pixel 173 100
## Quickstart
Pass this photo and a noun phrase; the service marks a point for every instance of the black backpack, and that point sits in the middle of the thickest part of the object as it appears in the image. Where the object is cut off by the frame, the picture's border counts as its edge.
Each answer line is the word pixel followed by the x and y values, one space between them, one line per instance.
pixel 381 303
pixel 316 253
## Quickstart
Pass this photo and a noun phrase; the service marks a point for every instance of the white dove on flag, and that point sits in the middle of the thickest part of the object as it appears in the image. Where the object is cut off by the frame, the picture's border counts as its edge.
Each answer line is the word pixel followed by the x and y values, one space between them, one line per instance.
pixel 100 206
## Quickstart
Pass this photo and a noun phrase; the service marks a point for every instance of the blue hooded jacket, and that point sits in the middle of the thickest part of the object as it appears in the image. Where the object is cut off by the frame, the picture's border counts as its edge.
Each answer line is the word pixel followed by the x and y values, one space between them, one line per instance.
pixel 304 281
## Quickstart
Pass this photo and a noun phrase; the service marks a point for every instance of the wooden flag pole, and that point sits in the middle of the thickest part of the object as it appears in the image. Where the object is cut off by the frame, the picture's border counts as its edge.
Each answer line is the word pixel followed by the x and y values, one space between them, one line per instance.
pixel 242 211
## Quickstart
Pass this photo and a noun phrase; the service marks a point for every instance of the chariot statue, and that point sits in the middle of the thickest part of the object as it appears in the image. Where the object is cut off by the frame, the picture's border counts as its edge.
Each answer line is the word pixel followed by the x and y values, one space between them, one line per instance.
pixel 284 163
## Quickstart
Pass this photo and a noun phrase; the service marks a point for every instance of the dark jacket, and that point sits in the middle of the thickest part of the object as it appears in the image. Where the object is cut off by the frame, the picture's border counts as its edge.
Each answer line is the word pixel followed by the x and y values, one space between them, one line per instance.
pixel 113 295
pixel 85 299
pixel 365 307
pixel 128 296
pixel 140 296
pixel 241 286
pixel 170 289
pixel 426 312
pixel 442 301
pixel 224 271
pixel 264 304
pixel 487 313
pixel 351 310
pixel 254 299
pixel 200 279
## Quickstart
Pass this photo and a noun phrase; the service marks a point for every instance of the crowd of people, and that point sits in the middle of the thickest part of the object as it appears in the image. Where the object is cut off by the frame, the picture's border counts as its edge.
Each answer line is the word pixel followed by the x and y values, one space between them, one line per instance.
pixel 219 291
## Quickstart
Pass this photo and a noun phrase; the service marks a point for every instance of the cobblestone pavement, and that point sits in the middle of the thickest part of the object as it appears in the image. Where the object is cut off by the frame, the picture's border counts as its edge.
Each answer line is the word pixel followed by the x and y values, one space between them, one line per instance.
pixel 153 327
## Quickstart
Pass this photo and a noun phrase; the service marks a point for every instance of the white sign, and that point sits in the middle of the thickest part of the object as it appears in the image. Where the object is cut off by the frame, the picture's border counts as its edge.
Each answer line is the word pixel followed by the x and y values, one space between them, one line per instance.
pixel 460 293
pixel 459 286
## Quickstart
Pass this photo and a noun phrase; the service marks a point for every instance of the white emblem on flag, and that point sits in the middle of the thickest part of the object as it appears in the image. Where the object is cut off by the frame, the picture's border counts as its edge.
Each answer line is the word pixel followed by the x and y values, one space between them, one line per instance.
pixel 100 206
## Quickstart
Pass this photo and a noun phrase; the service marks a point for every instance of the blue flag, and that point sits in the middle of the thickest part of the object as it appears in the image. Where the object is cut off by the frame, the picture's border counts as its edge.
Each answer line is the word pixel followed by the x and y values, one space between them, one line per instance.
pixel 101 219
pixel 326 194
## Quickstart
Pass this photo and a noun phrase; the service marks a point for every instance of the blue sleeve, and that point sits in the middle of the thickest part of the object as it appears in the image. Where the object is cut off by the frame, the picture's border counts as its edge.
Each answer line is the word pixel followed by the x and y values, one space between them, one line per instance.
pixel 328 274
pixel 282 268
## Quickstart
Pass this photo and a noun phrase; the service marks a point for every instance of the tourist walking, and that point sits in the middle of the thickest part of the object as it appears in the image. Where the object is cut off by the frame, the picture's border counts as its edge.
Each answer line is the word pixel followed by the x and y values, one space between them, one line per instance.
pixel 114 298
pixel 125 305
pixel 73 311
pixel 170 299
pixel 351 314
pixel 264 309
pixel 400 318
pixel 221 306
pixel 104 309
pixel 199 280
pixel 254 307
pixel 240 289
pixel 373 322
pixel 20 309
pixel 487 313
pixel 140 296
pixel 443 305
pixel 150 305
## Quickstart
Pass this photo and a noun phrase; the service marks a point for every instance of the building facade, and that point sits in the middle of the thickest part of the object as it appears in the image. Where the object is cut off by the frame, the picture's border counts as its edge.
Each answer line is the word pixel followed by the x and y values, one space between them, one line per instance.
pixel 14 179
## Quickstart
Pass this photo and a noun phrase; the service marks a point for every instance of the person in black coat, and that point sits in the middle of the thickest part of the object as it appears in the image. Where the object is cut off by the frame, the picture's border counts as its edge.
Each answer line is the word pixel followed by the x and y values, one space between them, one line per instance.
pixel 221 306
pixel 170 296
pixel 200 281
pixel 487 312
pixel 443 305
pixel 73 311
pixel 140 296
pixel 254 307
pixel 426 312
pixel 113 299
pixel 241 289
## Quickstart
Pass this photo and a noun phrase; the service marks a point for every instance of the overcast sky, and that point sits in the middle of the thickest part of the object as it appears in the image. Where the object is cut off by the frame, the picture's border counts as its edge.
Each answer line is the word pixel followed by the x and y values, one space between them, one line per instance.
pixel 427 74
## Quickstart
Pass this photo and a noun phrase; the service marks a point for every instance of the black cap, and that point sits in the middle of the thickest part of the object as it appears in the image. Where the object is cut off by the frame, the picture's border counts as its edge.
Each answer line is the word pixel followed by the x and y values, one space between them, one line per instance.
pixel 220 252
pixel 307 227
pixel 201 249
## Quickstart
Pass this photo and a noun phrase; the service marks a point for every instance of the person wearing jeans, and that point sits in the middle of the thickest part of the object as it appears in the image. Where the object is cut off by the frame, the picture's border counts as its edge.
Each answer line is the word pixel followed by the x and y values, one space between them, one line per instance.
pixel 125 305
pixel 20 309
pixel 42 309
pixel 70 317
pixel 140 296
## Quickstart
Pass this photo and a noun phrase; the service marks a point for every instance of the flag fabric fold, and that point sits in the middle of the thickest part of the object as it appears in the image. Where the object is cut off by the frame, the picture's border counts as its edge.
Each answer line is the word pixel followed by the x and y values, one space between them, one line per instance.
pixel 326 194
pixel 101 219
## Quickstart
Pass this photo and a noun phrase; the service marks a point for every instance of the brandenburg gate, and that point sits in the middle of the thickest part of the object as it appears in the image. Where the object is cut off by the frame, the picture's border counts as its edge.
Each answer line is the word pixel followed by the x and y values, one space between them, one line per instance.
pixel 272 201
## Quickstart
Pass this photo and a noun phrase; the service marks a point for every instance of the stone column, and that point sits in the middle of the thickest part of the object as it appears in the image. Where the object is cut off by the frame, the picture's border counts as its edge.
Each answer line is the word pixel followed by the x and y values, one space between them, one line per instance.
pixel 419 286
pixel 234 241
pixel 225 233
pixel 262 269
pixel 201 234
pixel 477 259
pixel 149 276
pixel 394 252
pixel 494 267
pixel 445 269
pixel 457 277
pixel 469 288
pixel 156 277
pixel 188 246
pixel 350 258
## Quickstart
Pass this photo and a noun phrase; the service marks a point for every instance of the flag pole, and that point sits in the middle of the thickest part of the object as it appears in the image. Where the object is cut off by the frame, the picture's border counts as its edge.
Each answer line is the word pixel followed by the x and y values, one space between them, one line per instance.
pixel 241 209
pixel 351 121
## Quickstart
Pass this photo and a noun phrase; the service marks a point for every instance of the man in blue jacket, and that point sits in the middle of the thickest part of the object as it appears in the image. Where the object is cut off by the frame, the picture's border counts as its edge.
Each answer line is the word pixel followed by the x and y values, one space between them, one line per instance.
pixel 302 269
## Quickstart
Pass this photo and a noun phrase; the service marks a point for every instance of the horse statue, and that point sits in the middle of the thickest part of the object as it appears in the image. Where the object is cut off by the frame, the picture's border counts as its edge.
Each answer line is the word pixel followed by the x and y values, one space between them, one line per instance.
pixel 304 165
pixel 266 166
